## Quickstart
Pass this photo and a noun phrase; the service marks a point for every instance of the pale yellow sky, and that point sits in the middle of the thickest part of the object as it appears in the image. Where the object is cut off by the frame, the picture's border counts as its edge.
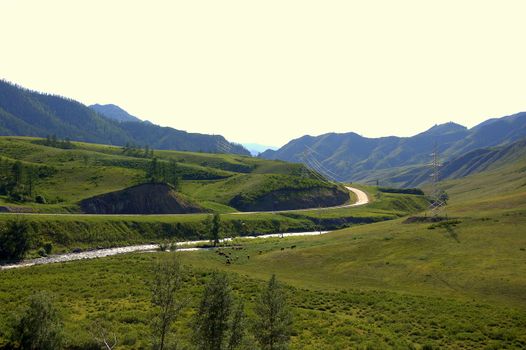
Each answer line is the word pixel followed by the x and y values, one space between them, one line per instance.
pixel 269 71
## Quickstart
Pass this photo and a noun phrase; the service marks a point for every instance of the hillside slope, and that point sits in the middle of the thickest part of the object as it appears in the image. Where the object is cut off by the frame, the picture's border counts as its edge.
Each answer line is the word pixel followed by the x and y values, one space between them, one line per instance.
pixel 62 177
pixel 28 113
pixel 351 157
pixel 456 167
pixel 148 198
pixel 114 112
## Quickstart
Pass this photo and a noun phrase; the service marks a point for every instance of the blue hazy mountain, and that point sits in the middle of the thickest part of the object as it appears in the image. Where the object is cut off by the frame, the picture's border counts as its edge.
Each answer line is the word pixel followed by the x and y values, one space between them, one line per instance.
pixel 256 148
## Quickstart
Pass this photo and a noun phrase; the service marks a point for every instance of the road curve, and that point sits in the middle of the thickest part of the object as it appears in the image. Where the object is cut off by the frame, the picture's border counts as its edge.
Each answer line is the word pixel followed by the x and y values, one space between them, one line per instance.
pixel 361 195
pixel 362 199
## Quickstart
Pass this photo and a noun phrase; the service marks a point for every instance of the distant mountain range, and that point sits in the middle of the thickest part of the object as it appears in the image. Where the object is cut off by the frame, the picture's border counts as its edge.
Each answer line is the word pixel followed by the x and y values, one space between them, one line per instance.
pixel 256 148
pixel 27 113
pixel 402 161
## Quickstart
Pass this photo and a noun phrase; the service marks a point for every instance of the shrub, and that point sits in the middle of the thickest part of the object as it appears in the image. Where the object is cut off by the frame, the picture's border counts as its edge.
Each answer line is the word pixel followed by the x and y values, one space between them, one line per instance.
pixel 48 247
pixel 42 252
pixel 14 240
pixel 416 191
pixel 40 326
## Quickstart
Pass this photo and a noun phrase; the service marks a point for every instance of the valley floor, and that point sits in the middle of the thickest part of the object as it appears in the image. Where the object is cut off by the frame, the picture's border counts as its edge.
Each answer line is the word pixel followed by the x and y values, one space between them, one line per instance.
pixel 456 284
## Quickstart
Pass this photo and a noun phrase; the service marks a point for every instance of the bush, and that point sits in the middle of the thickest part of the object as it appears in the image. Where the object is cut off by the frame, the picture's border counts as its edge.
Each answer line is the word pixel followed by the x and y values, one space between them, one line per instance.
pixel 40 327
pixel 416 191
pixel 42 252
pixel 14 240
pixel 48 247
pixel 40 199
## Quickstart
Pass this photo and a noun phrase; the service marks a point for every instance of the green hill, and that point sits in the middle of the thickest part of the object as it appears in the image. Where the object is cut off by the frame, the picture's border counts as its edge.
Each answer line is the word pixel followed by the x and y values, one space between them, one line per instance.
pixel 56 177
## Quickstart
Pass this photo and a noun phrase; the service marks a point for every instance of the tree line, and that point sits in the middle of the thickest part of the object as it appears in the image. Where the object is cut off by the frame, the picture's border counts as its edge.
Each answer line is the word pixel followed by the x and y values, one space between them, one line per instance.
pixel 219 322
pixel 54 141
pixel 134 150
pixel 18 179
pixel 163 171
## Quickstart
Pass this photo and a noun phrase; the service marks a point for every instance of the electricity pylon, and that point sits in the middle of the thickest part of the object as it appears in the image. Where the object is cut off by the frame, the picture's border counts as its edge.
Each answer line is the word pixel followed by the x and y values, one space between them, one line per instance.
pixel 437 201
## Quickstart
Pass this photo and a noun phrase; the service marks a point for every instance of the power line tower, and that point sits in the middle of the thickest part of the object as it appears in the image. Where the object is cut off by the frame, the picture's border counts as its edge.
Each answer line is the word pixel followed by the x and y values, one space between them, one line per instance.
pixel 437 201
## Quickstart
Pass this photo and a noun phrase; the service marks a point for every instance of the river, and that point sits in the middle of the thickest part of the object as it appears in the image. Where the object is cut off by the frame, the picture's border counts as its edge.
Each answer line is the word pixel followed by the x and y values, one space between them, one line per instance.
pixel 101 253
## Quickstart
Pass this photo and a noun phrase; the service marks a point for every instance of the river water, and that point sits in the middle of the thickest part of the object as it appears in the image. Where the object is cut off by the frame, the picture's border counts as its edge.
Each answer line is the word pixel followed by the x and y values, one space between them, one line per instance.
pixel 100 253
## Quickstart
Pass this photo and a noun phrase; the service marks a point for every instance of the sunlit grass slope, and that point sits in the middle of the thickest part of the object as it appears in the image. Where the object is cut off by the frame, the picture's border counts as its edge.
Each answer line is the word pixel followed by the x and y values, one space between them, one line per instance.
pixel 213 179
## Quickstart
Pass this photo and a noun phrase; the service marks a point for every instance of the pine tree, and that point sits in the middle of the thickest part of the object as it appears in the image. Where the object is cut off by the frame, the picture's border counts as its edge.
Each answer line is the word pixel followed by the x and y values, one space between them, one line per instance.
pixel 146 151
pixel 215 231
pixel 172 175
pixel 167 281
pixel 237 326
pixel 30 180
pixel 211 322
pixel 152 173
pixel 273 326
pixel 17 173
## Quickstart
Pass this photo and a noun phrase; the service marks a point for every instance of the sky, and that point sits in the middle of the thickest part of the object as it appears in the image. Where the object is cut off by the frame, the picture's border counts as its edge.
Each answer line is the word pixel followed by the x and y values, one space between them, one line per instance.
pixel 270 71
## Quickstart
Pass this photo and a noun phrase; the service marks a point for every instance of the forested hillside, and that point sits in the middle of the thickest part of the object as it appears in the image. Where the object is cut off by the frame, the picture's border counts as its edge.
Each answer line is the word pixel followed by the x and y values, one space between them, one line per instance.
pixel 27 113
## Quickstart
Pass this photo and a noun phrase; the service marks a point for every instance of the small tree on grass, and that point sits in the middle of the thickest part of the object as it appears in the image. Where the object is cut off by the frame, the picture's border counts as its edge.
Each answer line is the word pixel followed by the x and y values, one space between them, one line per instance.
pixel 273 325
pixel 14 240
pixel 215 229
pixel 40 327
pixel 237 326
pixel 211 324
pixel 167 281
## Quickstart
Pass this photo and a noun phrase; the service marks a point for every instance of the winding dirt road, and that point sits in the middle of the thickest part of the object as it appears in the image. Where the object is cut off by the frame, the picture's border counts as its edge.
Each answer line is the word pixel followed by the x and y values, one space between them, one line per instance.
pixel 362 199
pixel 100 253
pixel 361 195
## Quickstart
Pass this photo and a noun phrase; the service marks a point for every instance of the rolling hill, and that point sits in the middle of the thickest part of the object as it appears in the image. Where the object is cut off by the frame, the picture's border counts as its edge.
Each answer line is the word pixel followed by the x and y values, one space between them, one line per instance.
pixel 28 113
pixel 90 177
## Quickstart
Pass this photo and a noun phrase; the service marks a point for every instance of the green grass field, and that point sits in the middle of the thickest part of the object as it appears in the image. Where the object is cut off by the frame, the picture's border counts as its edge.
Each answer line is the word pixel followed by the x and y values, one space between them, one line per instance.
pixel 458 284
pixel 72 231
pixel 381 286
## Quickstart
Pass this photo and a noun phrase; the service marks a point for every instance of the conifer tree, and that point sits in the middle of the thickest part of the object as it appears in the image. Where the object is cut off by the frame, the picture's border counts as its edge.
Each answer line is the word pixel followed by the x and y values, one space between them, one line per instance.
pixel 273 326
pixel 211 324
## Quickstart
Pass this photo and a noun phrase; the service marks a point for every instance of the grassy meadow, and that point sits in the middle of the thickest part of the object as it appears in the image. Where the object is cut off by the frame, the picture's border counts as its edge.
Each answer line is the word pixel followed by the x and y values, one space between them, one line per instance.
pixel 69 232
pixel 456 284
